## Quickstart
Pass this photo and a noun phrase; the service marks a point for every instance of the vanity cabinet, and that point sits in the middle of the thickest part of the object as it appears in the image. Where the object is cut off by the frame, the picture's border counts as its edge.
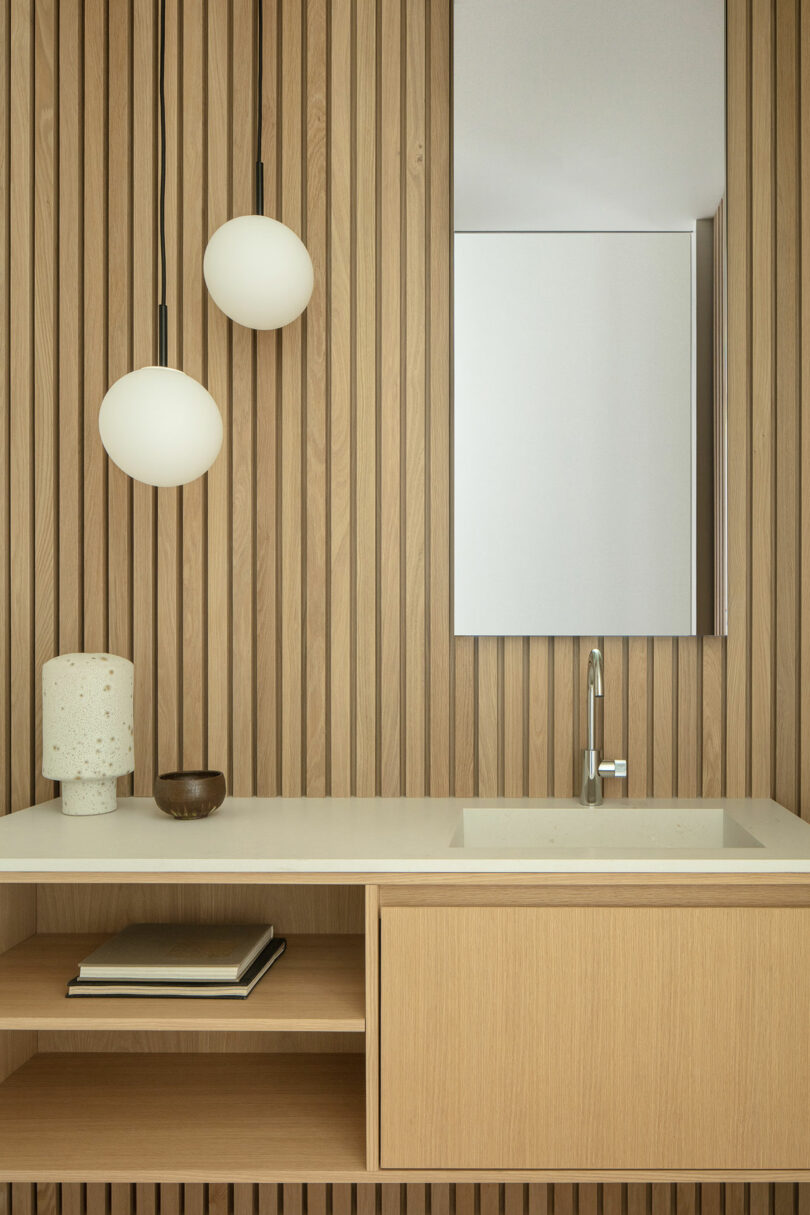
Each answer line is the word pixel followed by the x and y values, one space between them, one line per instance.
pixel 595 1037
pixel 421 1027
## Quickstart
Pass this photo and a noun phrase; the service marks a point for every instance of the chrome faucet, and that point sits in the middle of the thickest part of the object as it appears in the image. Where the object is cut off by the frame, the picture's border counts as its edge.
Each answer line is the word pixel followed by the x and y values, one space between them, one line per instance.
pixel 594 771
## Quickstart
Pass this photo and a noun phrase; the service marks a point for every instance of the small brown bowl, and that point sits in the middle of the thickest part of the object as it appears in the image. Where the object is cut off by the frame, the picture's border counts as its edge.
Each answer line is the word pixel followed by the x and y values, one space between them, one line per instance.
pixel 189 794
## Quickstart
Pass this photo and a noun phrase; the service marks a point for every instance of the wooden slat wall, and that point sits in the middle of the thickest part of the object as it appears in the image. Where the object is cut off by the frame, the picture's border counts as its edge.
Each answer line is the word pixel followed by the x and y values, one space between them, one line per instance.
pixel 290 616
pixel 440 1199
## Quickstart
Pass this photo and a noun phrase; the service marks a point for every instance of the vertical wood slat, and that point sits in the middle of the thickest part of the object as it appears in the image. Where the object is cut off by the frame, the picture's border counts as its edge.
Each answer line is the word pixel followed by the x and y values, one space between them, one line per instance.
pixel 268 689
pixel 218 605
pixel 566 684
pixel 168 564
pixel 788 451
pixel 465 775
pixel 488 716
pixel 241 542
pixel 615 742
pixel 292 406
pixel 340 368
pixel 118 178
pixel 738 666
pixel 688 732
pixel 94 529
pixel 439 354
pixel 44 313
pixel 538 724
pixel 21 757
pixel 390 404
pixel 663 716
pixel 638 715
pixel 711 775
pixel 316 393
pixel 372 982
pixel 144 283
pixel 365 394
pixel 762 364
pixel 513 728
pixel 414 184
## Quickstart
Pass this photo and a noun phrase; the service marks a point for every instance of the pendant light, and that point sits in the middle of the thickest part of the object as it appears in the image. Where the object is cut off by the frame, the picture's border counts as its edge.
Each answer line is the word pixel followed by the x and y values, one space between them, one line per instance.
pixel 257 270
pixel 157 424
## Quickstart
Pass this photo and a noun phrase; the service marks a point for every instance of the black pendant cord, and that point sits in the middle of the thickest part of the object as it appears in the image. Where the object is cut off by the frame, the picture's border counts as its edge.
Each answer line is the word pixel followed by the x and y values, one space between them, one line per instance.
pixel 163 336
pixel 259 91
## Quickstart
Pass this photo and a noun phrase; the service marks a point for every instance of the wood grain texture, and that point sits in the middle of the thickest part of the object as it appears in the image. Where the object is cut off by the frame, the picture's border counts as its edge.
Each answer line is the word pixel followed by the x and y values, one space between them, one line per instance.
pixel 372 1025
pixel 536 1027
pixel 316 987
pixel 108 908
pixel 516 1198
pixel 182 1117
pixel 290 616
pixel 293 409
pixel 17 922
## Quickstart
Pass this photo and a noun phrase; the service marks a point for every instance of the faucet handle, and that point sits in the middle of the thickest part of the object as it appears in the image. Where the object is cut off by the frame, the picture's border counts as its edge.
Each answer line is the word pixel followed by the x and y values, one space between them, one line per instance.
pixel 613 767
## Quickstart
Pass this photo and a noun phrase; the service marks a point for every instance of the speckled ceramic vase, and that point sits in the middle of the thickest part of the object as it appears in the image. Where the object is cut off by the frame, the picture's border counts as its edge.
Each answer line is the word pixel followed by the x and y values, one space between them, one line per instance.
pixel 87 728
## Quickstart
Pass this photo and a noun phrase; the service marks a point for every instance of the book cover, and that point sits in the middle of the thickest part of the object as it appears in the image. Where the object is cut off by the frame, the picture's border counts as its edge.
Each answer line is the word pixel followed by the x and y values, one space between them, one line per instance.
pixel 237 990
pixel 188 952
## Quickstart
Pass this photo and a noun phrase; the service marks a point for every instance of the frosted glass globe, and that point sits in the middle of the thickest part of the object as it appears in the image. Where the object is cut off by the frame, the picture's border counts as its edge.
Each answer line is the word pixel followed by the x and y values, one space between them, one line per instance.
pixel 258 272
pixel 160 426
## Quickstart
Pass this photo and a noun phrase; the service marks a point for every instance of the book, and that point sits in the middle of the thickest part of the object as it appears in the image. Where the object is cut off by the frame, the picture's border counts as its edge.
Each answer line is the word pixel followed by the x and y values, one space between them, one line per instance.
pixel 178 952
pixel 238 989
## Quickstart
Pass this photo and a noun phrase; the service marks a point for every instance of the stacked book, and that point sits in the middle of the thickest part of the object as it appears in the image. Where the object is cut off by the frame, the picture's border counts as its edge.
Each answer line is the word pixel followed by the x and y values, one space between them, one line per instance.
pixel 223 961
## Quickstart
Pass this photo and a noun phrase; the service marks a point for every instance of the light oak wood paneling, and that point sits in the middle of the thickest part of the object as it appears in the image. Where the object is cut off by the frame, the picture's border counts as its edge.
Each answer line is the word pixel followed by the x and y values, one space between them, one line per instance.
pixel 319 989
pixel 479 1007
pixel 183 1117
pixel 372 1024
pixel 290 908
pixel 290 616
pixel 17 922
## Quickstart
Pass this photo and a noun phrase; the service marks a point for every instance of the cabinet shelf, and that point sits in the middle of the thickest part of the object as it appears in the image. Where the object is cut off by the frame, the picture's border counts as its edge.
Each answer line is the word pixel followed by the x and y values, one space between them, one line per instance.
pixel 316 986
pixel 186 1117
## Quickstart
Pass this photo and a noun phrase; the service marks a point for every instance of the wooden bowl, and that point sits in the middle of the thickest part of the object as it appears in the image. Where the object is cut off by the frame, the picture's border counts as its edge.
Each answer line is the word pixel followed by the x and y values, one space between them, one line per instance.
pixel 189 794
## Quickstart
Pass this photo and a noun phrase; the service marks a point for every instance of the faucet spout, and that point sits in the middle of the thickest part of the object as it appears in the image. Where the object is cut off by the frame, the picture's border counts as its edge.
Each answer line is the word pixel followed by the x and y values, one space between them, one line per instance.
pixel 596 687
pixel 596 673
pixel 592 769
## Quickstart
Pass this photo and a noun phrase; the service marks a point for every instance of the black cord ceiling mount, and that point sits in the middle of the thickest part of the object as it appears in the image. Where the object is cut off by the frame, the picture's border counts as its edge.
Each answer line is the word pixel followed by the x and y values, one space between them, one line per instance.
pixel 163 322
pixel 159 425
pixel 259 107
pixel 257 269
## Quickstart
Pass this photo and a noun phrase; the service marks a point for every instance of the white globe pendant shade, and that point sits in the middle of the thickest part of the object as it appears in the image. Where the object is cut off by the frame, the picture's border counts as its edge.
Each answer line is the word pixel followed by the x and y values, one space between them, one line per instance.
pixel 160 426
pixel 258 272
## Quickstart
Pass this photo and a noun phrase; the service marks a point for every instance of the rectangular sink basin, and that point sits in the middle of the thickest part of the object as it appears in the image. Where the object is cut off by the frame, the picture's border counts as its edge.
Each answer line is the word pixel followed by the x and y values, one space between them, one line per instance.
pixel 601 828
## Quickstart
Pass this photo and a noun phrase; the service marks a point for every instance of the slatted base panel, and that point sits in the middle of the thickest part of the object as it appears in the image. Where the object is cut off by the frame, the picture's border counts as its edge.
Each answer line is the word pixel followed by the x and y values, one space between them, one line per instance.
pixel 517 1199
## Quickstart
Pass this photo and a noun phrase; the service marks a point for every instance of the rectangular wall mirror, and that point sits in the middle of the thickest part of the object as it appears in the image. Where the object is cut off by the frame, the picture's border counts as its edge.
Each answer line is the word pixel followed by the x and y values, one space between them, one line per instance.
pixel 589 318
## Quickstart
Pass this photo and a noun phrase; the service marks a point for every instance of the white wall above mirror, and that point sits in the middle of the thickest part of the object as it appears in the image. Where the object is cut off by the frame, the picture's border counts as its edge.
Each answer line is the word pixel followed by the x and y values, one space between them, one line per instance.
pixel 589 354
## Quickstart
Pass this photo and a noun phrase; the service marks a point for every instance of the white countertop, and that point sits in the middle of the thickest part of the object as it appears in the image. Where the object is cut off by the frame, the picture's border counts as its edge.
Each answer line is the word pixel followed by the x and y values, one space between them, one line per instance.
pixel 369 835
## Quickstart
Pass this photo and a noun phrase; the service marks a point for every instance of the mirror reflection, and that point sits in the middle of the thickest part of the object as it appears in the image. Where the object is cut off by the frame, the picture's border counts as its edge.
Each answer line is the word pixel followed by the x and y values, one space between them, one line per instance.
pixel 589 317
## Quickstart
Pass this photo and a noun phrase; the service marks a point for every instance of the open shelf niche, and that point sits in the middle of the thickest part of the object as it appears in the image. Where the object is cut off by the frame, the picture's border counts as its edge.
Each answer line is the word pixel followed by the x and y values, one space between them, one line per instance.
pixel 271 1087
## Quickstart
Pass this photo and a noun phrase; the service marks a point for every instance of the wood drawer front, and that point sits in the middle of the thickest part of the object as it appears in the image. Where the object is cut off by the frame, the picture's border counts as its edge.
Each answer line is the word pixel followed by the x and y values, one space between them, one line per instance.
pixel 595 1038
